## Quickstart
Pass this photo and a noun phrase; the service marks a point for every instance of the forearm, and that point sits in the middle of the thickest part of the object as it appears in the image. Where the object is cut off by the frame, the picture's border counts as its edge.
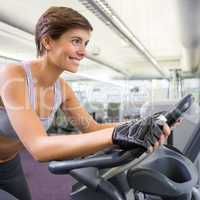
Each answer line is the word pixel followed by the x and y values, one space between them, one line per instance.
pixel 107 125
pixel 70 146
pixel 113 125
pixel 94 126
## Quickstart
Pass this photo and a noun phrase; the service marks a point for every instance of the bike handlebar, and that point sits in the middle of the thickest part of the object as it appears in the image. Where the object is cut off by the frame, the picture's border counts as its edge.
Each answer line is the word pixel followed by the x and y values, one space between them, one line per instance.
pixel 118 157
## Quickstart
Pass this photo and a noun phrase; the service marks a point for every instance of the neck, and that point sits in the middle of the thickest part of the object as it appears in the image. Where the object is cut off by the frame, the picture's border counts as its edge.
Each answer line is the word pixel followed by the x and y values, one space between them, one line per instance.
pixel 45 72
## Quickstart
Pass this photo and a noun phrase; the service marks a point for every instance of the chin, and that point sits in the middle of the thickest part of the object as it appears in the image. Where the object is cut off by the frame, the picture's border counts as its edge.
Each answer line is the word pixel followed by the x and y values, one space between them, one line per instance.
pixel 72 69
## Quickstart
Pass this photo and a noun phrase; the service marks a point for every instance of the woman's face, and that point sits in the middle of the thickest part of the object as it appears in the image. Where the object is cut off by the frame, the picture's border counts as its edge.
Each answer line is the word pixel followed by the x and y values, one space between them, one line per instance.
pixel 67 51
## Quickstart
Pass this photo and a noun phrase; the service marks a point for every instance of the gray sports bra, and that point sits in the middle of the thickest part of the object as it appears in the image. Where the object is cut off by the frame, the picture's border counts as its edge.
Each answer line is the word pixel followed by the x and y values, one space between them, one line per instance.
pixel 6 128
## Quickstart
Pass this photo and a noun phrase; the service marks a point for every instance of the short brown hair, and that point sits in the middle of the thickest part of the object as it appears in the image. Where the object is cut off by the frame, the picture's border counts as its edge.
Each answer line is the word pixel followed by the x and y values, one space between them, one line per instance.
pixel 57 20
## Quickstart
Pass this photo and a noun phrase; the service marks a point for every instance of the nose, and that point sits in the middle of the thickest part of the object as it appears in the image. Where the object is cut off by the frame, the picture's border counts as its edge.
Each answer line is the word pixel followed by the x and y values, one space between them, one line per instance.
pixel 82 51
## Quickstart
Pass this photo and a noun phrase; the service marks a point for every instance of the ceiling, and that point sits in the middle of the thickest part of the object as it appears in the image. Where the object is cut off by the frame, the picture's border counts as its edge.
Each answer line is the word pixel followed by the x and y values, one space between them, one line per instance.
pixel 156 24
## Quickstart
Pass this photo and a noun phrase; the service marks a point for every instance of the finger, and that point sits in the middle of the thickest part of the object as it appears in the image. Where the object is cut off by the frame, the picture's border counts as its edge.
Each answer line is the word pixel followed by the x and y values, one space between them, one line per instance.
pixel 166 130
pixel 152 140
pixel 156 131
pixel 156 145
pixel 150 149
pixel 162 139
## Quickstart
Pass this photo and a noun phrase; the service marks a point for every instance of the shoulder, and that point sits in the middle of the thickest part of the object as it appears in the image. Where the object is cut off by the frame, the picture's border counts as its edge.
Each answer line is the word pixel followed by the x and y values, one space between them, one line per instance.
pixel 13 85
pixel 12 70
pixel 12 74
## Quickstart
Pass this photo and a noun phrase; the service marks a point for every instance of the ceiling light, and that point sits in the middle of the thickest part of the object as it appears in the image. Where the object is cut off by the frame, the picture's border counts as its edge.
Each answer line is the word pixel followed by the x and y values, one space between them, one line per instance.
pixel 105 13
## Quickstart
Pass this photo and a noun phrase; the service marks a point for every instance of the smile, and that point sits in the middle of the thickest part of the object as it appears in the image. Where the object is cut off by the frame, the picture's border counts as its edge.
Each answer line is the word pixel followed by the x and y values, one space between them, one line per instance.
pixel 75 60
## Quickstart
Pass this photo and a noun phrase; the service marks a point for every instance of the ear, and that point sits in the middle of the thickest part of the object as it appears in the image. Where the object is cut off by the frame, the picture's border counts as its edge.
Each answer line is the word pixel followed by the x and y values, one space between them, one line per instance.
pixel 46 42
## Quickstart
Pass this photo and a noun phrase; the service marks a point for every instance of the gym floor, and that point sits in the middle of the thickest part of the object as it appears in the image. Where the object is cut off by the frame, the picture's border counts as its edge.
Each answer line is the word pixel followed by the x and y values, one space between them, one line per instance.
pixel 42 183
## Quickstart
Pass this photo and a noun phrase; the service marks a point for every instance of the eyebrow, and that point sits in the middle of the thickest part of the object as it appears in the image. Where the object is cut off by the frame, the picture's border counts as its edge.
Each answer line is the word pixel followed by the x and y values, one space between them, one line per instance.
pixel 76 37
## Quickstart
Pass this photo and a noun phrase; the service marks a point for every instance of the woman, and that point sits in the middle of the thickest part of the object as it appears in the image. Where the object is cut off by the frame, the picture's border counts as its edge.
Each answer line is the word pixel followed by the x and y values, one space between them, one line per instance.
pixel 32 91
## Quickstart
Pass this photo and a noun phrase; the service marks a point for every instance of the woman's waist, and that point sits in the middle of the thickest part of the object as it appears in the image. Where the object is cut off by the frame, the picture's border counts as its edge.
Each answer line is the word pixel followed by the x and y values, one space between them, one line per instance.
pixel 9 148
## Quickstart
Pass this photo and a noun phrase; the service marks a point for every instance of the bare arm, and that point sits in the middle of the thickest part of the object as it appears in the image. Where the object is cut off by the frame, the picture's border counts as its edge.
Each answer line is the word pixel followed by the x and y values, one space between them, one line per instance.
pixel 13 91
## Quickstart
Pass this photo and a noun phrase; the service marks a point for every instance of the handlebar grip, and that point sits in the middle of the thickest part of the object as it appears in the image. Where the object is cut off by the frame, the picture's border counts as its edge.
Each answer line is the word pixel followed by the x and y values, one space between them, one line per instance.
pixel 180 108
pixel 173 115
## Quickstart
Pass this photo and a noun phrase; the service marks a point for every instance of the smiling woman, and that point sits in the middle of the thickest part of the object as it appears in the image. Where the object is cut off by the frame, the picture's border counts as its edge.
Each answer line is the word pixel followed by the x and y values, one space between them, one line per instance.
pixel 31 92
pixel 67 51
pixel 56 21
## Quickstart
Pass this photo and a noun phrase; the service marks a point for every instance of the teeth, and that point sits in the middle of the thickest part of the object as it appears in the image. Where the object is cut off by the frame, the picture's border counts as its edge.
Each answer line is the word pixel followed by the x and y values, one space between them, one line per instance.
pixel 75 60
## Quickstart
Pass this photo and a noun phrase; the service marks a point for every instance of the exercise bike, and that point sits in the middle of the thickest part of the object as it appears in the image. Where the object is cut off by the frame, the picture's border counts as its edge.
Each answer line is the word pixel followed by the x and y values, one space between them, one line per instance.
pixel 115 174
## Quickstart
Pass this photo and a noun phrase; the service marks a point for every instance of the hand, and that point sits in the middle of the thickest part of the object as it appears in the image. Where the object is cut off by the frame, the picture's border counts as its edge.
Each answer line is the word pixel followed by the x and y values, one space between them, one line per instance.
pixel 166 131
pixel 148 133
pixel 164 135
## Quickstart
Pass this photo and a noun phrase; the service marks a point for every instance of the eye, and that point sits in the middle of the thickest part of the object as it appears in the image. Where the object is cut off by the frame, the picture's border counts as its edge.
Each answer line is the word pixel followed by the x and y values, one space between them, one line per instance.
pixel 86 43
pixel 76 42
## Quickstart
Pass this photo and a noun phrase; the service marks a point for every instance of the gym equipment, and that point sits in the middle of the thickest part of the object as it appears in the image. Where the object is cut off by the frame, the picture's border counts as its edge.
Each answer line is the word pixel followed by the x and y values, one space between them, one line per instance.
pixel 166 174
pixel 6 196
